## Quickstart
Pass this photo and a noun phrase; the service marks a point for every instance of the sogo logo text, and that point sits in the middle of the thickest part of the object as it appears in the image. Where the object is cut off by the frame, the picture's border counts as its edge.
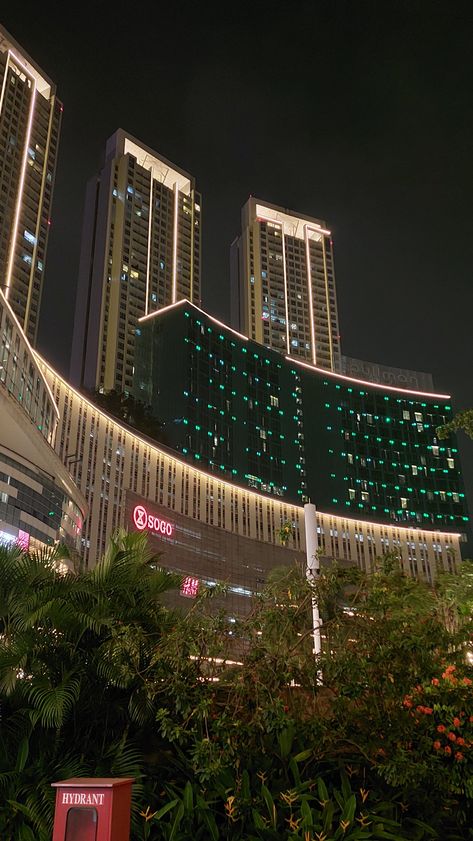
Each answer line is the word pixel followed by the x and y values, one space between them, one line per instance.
pixel 144 520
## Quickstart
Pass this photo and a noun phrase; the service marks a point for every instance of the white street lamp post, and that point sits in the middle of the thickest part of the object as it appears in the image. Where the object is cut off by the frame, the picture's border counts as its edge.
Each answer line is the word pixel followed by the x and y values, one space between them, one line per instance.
pixel 313 571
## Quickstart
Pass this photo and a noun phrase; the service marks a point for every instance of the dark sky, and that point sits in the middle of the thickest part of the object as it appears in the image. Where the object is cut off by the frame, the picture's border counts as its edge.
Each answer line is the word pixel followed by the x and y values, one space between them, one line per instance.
pixel 360 113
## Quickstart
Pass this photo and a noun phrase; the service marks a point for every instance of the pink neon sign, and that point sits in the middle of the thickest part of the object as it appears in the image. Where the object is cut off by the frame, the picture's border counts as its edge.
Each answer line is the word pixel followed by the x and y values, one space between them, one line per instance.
pixel 144 520
pixel 190 587
pixel 23 540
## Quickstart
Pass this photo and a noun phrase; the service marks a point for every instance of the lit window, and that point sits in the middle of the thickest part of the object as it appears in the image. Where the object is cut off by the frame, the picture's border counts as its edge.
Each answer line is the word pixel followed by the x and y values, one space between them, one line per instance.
pixel 403 502
pixel 29 237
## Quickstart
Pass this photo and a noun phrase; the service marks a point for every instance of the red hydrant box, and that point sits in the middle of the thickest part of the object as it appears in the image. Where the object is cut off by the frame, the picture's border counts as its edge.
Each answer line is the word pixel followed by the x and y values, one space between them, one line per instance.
pixel 93 809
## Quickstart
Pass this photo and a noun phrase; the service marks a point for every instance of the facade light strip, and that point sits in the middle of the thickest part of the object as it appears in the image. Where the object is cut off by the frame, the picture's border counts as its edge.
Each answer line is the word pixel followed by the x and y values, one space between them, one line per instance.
pixel 174 243
pixel 203 475
pixel 21 185
pixel 286 302
pixel 311 302
pixel 195 307
pixel 150 227
pixel 367 383
pixel 327 304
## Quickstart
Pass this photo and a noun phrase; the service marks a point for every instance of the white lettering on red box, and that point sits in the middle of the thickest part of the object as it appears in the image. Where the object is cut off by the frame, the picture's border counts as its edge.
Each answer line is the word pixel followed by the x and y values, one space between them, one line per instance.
pixel 80 799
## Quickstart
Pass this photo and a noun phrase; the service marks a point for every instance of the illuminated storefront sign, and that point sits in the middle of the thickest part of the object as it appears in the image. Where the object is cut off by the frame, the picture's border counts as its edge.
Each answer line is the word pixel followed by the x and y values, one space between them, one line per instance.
pixel 143 519
pixel 23 540
pixel 190 587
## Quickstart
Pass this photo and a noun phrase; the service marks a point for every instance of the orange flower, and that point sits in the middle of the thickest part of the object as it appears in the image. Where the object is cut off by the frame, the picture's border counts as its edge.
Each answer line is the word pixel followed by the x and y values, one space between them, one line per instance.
pixel 441 728
pixel 466 681
pixel 427 710
pixel 437 745
pixel 456 722
pixel 452 737
pixel 447 749
pixel 460 741
pixel 458 756
pixel 471 719
pixel 407 702
pixel 435 681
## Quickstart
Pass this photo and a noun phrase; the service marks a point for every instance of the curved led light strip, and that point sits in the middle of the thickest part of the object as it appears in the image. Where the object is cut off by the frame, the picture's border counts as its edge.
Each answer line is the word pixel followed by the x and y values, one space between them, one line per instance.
pixel 366 383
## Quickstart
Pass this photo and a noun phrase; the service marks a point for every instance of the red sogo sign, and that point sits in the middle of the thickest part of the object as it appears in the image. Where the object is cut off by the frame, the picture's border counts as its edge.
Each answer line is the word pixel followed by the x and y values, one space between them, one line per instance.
pixel 143 519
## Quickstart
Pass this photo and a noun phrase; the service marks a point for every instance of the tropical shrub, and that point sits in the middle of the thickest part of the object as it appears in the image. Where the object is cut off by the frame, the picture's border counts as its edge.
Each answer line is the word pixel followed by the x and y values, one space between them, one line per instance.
pixel 236 731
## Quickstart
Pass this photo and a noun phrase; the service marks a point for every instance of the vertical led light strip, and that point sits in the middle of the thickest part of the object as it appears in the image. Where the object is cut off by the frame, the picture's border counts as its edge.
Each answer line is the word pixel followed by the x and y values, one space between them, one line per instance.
pixel 191 281
pixel 150 225
pixel 38 222
pixel 174 244
pixel 285 287
pixel 327 299
pixel 20 189
pixel 309 285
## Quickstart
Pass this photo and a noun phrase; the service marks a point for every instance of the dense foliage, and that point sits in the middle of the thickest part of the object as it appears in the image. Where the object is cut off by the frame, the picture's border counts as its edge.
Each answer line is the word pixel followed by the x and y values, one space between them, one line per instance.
pixel 462 421
pixel 233 730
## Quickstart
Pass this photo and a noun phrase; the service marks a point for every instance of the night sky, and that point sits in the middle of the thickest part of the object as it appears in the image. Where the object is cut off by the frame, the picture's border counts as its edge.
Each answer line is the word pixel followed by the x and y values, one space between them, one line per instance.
pixel 359 113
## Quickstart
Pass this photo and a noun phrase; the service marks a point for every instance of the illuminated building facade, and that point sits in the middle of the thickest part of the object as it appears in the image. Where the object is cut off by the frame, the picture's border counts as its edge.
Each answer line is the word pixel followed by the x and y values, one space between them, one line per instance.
pixel 39 502
pixel 30 119
pixel 116 469
pixel 228 405
pixel 283 284
pixel 140 251
pixel 292 430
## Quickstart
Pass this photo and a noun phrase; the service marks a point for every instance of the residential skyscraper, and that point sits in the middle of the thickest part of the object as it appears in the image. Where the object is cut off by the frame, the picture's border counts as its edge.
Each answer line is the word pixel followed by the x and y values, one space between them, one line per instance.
pixel 140 251
pixel 283 284
pixel 30 119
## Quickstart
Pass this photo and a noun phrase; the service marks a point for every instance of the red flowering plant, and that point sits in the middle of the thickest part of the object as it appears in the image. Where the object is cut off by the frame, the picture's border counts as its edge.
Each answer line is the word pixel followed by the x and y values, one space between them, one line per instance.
pixel 441 715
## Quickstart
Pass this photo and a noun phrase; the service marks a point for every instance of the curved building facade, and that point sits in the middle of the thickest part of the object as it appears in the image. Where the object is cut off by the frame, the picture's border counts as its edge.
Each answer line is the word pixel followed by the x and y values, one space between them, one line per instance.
pixel 39 502
pixel 128 479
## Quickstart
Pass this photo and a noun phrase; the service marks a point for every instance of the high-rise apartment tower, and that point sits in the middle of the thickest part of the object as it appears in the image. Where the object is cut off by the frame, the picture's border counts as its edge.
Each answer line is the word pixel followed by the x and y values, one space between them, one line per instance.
pixel 30 119
pixel 283 284
pixel 140 251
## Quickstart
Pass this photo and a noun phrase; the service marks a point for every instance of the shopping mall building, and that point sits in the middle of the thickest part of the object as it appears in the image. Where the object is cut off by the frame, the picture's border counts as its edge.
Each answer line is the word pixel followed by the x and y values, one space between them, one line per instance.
pixel 240 461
